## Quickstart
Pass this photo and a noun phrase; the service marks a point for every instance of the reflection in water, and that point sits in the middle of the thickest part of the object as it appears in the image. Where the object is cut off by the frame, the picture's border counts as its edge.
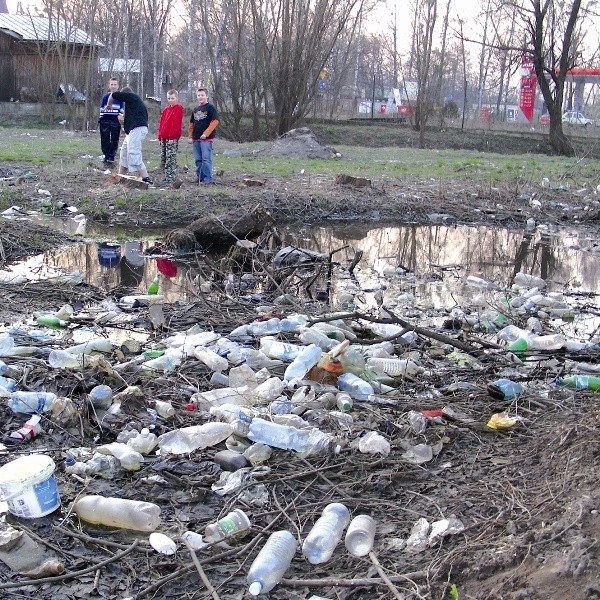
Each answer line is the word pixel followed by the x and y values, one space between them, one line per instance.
pixel 438 260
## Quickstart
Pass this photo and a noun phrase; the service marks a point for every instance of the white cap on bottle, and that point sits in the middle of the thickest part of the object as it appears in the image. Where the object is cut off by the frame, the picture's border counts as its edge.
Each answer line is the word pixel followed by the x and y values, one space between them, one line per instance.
pixel 255 588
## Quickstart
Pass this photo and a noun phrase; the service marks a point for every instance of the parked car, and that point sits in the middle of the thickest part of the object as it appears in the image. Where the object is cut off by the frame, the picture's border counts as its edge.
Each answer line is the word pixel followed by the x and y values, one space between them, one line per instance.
pixel 573 117
pixel 545 119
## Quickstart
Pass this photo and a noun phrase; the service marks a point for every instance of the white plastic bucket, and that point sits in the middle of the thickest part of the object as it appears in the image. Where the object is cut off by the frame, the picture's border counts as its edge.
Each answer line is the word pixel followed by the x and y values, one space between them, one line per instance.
pixel 28 486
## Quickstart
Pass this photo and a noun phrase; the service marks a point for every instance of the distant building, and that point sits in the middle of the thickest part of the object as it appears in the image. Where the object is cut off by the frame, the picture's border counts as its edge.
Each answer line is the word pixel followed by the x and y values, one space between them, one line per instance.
pixel 37 54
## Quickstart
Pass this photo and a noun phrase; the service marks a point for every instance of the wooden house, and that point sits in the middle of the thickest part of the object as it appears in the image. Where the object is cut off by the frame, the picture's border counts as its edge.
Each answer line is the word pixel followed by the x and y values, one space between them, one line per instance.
pixel 45 59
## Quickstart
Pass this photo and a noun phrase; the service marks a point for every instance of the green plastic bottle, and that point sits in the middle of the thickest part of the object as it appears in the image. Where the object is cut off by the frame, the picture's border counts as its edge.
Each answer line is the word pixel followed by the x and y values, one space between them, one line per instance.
pixel 581 382
pixel 153 287
pixel 519 345
pixel 51 321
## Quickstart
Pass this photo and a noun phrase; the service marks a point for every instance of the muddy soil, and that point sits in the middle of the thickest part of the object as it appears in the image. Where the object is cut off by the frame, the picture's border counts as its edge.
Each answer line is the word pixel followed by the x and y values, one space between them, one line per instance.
pixel 528 497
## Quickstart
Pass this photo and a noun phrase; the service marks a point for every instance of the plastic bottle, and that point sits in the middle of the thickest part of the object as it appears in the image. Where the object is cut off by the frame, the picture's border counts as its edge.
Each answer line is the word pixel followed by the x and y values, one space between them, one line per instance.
pixel 352 360
pixel 211 359
pixel 52 321
pixel 8 384
pixel 394 367
pixel 28 431
pixel 271 562
pixel 60 359
pixel 164 409
pixel 538 342
pixel 529 281
pixel 269 390
pixel 304 441
pixel 360 535
pixel 300 366
pixel 166 362
pixel 581 382
pixel 101 396
pixel 95 345
pixel 325 534
pixel 281 350
pixel 144 442
pixel 260 328
pixel 310 335
pixel 504 389
pixel 234 523
pixel 344 402
pixel 355 386
pixel 189 439
pixel 129 459
pixel 30 403
pixel 153 287
pixel 118 512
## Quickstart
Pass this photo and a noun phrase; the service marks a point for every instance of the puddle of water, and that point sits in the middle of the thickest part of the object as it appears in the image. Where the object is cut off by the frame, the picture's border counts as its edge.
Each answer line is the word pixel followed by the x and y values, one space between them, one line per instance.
pixel 437 260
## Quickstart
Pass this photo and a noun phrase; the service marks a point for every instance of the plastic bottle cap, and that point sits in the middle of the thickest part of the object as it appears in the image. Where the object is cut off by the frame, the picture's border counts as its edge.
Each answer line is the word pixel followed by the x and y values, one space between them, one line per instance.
pixel 255 588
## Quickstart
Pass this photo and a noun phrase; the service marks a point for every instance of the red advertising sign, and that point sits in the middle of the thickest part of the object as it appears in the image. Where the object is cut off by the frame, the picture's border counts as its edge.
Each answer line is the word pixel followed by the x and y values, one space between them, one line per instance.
pixel 528 82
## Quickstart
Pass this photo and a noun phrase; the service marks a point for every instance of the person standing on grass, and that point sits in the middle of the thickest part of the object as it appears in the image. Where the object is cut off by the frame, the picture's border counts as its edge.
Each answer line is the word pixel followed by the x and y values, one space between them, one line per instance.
pixel 169 132
pixel 201 133
pixel 110 127
pixel 135 125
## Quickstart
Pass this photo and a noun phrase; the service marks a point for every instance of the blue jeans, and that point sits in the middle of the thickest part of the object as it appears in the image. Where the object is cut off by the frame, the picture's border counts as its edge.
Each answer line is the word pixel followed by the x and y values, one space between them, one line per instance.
pixel 203 158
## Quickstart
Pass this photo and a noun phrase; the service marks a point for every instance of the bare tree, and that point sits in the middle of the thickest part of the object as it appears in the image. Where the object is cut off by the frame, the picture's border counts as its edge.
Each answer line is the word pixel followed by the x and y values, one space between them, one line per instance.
pixel 425 20
pixel 294 41
pixel 554 30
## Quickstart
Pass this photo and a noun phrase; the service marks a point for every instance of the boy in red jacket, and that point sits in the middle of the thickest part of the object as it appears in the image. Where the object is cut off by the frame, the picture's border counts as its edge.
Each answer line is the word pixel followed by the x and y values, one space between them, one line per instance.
pixel 169 132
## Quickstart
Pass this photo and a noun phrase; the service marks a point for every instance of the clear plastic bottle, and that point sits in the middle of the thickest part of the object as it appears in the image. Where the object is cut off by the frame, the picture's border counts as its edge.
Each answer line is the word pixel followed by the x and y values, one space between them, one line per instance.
pixel 344 402
pixel 325 534
pixel 30 403
pixel 271 562
pixel 8 384
pixel 353 360
pixel 166 362
pixel 95 345
pixel 310 335
pixel 300 366
pixel 526 280
pixel 196 437
pixel 211 359
pixel 233 524
pixel 144 442
pixel 355 386
pixel 360 535
pixel 281 350
pixel 130 459
pixel 260 328
pixel 394 367
pixel 164 409
pixel 304 441
pixel 269 390
pixel 60 359
pixel 118 512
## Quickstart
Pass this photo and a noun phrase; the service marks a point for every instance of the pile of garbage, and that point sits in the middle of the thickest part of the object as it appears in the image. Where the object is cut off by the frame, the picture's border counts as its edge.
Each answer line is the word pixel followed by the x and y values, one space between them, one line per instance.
pixel 203 437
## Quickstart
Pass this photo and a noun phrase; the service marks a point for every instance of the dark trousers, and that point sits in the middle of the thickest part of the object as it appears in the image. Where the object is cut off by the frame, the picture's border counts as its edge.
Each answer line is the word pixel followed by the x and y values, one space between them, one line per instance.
pixel 109 139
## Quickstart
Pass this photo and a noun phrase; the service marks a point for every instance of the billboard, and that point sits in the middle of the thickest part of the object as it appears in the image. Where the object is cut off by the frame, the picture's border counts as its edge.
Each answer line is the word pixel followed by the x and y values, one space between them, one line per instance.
pixel 528 83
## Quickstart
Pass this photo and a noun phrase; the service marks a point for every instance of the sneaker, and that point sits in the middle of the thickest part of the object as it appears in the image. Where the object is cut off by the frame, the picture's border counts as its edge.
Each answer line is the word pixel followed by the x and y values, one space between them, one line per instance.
pixel 147 180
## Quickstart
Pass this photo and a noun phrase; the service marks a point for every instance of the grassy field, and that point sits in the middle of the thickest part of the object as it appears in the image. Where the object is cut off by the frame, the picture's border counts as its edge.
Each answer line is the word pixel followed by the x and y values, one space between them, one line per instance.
pixel 68 151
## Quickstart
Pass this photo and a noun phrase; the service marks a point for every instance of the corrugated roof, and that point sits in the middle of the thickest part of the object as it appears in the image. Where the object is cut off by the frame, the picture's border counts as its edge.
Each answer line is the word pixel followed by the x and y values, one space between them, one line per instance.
pixel 42 29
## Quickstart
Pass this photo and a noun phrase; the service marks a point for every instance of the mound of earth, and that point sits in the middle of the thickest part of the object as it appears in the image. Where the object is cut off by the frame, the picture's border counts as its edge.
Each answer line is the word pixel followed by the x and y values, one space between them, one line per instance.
pixel 297 143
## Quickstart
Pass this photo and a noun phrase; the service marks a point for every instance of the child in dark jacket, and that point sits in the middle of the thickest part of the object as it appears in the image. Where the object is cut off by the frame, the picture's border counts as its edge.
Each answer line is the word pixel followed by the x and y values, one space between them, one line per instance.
pixel 169 132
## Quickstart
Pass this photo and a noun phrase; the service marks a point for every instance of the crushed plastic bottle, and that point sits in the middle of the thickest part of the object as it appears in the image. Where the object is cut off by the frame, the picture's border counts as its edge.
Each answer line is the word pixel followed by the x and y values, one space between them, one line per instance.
pixel 101 396
pixel 143 442
pixel 306 442
pixel 271 563
pixel 525 280
pixel 129 459
pixel 418 539
pixel 211 359
pixel 325 534
pixel 196 437
pixel 28 431
pixel 504 389
pixel 281 350
pixel 394 367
